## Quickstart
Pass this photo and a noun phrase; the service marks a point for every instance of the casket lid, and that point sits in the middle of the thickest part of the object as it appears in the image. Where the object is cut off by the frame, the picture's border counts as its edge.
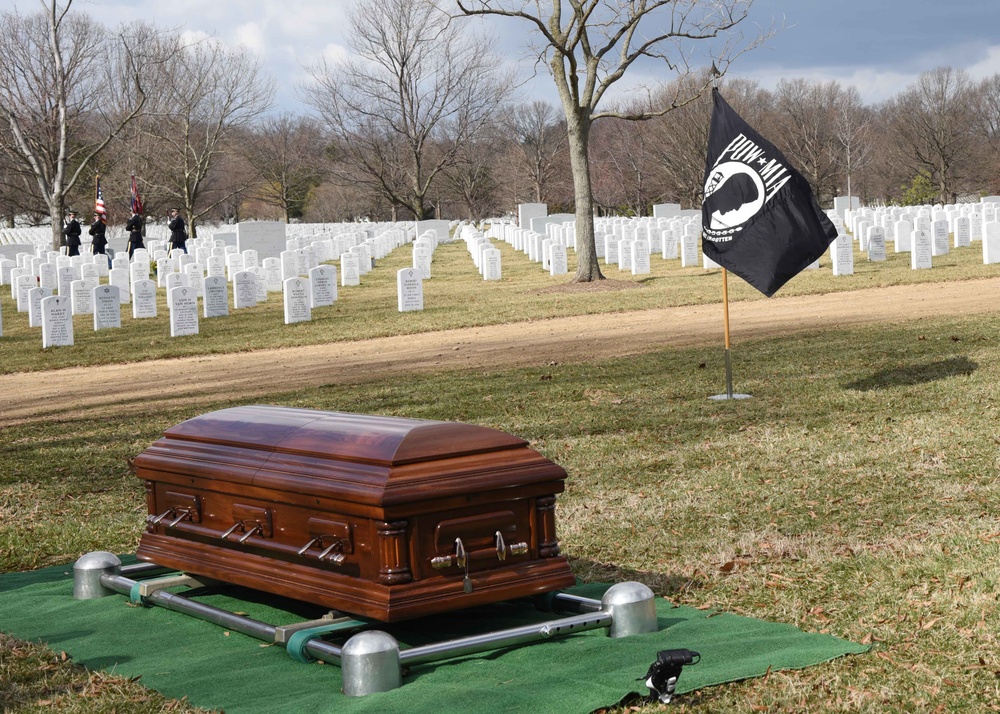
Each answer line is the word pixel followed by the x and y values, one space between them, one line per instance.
pixel 364 438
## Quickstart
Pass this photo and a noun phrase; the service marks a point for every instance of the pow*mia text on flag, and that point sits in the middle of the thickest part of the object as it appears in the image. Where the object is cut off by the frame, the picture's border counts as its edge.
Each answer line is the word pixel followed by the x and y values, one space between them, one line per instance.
pixel 759 217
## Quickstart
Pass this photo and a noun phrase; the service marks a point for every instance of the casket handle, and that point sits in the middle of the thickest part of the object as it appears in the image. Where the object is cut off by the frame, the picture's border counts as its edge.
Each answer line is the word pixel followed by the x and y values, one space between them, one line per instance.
pixel 235 527
pixel 501 547
pixel 184 513
pixel 256 529
pixel 337 558
pixel 155 520
pixel 310 544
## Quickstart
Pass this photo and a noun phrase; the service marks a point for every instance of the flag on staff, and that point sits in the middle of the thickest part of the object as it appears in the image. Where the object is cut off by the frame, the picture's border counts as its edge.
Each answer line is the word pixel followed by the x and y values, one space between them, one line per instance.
pixel 759 217
pixel 99 208
pixel 136 201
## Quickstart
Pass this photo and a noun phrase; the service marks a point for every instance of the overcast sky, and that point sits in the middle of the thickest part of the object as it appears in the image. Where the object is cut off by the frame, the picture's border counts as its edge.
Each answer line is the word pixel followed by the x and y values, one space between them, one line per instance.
pixel 878 46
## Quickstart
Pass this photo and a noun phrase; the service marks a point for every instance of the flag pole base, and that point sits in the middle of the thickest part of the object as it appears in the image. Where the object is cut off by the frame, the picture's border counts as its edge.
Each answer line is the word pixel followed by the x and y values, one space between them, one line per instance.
pixel 729 377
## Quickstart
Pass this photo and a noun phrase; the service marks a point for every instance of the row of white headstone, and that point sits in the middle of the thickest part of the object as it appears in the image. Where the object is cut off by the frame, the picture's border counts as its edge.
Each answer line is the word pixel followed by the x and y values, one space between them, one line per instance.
pixel 626 243
pixel 34 279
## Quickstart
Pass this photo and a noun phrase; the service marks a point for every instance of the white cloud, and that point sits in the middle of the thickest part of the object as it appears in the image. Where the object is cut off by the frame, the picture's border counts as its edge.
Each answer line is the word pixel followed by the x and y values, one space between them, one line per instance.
pixel 988 65
pixel 252 36
pixel 334 53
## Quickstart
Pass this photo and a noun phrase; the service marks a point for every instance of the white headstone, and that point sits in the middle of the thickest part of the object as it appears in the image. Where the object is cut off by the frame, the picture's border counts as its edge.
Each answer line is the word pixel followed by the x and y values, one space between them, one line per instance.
pixel 195 277
pixel 57 322
pixel 216 265
pixel 963 233
pixel 689 251
pixel 876 244
pixel 80 293
pixel 323 286
pixel 289 264
pixel 107 307
pixel 991 243
pixel 350 272
pixel 920 250
pixel 244 290
pixel 234 264
pixel 902 234
pixel 558 262
pixel 640 257
pixel 183 311
pixel 842 255
pixel 66 276
pixel 297 307
pixel 491 264
pixel 119 278
pixel 215 302
pixel 143 299
pixel 35 297
pixel 422 255
pixel 272 274
pixel 48 276
pixel 669 240
pixel 22 284
pixel 409 290
pixel 258 274
pixel 939 237
pixel 611 249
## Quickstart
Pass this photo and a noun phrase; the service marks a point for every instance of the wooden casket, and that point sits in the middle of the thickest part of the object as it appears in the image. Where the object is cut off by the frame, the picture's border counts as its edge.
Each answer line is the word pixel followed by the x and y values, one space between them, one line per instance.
pixel 381 517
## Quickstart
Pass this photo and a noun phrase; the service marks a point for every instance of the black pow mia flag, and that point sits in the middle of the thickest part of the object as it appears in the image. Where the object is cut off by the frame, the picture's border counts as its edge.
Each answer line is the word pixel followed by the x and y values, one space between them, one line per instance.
pixel 759 217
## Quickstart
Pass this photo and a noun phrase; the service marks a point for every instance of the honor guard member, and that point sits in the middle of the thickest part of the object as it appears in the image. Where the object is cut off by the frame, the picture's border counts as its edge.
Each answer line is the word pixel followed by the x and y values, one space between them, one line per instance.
pixel 71 232
pixel 134 228
pixel 98 235
pixel 178 232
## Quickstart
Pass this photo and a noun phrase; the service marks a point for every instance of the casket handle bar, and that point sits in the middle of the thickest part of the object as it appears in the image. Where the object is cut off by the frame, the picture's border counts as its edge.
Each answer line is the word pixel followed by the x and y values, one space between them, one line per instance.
pixel 256 529
pixel 236 526
pixel 461 557
pixel 184 514
pixel 332 553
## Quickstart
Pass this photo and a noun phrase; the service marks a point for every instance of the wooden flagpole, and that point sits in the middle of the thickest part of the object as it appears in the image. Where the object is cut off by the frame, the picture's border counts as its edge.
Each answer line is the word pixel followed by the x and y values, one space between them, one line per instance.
pixel 725 300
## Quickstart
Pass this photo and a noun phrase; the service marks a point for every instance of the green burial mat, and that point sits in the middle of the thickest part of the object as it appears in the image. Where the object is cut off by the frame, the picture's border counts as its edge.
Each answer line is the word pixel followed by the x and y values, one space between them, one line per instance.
pixel 214 668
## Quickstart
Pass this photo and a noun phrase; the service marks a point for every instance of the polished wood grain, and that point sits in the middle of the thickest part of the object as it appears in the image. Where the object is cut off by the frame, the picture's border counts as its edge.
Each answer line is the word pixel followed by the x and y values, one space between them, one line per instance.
pixel 356 512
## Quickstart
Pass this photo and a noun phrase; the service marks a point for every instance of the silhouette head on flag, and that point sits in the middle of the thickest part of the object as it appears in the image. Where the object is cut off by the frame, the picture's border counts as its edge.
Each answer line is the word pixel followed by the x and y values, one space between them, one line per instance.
pixel 759 217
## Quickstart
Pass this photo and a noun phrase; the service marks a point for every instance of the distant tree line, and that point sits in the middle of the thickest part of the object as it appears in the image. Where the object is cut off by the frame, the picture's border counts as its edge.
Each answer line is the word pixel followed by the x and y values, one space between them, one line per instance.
pixel 423 122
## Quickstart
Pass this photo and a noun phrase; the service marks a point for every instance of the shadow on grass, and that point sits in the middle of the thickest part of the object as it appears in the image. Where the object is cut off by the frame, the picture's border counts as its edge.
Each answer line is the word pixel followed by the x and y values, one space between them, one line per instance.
pixel 910 374
pixel 664 584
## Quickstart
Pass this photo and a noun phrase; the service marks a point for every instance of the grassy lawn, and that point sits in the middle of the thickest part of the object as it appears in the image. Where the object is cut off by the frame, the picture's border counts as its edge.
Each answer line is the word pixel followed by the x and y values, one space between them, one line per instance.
pixel 856 493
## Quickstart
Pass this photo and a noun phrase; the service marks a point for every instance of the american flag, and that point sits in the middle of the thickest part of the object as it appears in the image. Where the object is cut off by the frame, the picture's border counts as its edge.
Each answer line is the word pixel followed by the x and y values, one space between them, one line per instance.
pixel 99 208
pixel 136 201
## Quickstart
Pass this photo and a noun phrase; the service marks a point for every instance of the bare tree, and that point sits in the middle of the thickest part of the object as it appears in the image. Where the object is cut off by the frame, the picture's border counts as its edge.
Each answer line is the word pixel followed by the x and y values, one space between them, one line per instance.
pixel 854 129
pixel 471 179
pixel 418 90
pixel 205 94
pixel 805 128
pixel 589 45
pixel 932 129
pixel 62 97
pixel 539 133
pixel 988 128
pixel 288 154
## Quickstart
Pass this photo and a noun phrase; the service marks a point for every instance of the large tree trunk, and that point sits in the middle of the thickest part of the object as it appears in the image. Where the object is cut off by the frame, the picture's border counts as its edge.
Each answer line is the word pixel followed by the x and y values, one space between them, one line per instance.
pixel 56 218
pixel 587 268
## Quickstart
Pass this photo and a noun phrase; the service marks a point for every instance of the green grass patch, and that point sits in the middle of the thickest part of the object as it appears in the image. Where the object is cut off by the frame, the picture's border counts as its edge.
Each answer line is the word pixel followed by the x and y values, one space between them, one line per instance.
pixel 454 297
pixel 857 492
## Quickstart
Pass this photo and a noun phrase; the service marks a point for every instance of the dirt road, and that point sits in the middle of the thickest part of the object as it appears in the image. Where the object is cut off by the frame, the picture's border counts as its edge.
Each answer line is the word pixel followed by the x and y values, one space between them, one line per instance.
pixel 66 393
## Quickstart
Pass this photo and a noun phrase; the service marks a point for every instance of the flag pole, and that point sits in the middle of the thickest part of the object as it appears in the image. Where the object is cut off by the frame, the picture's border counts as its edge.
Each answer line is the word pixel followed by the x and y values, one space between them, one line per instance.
pixel 725 322
pixel 725 299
